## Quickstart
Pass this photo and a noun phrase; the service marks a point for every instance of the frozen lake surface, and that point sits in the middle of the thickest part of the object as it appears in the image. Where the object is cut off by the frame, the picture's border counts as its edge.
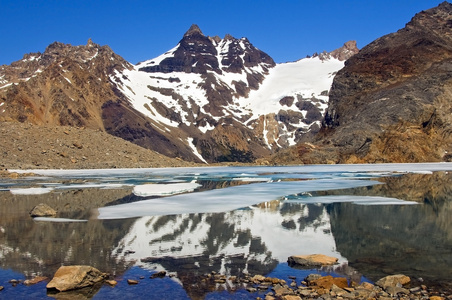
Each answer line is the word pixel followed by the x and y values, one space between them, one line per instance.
pixel 376 219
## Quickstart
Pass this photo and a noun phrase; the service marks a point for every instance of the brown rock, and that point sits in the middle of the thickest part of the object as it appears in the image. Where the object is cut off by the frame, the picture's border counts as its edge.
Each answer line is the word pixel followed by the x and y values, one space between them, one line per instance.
pixel 160 274
pixel 312 260
pixel 393 281
pixel 326 282
pixel 75 277
pixel 35 280
pixel 42 210
pixel 291 297
pixel 132 281
pixel 111 282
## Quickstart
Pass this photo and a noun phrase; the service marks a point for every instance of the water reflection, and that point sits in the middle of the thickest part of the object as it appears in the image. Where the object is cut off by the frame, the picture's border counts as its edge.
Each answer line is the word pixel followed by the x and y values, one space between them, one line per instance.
pixel 375 240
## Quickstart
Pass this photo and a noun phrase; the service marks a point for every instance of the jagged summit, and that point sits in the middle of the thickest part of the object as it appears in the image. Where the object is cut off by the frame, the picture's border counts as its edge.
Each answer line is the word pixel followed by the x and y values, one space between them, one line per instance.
pixel 193 30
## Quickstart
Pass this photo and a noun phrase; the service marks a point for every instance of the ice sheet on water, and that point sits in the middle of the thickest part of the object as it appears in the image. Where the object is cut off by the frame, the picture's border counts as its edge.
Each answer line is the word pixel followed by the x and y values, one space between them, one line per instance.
pixel 227 199
pixel 57 220
pixel 319 170
pixel 30 191
pixel 145 190
pixel 362 200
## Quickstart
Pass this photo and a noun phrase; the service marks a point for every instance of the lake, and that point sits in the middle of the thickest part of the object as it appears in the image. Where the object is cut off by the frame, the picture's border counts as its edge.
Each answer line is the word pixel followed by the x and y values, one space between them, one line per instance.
pixel 378 220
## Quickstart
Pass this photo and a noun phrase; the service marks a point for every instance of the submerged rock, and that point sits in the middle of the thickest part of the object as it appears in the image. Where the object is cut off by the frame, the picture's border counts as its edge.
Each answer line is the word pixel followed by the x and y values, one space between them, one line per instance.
pixel 42 210
pixel 75 277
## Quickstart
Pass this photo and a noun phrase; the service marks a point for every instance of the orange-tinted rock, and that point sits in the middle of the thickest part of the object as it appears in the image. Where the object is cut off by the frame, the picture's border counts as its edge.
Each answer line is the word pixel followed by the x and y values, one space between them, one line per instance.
pixel 312 260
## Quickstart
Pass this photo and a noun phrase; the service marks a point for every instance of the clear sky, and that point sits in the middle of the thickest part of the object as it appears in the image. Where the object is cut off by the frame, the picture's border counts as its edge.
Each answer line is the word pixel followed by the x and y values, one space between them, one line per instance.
pixel 139 30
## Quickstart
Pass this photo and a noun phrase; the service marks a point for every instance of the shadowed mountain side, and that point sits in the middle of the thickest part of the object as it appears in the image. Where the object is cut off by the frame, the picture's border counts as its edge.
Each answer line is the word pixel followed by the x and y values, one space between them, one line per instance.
pixel 391 101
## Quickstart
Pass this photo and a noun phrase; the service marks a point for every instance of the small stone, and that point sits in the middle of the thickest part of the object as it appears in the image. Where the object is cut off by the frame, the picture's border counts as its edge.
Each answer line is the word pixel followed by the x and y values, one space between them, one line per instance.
pixel 2 287
pixel 35 280
pixel 258 278
pixel 436 298
pixel 132 281
pixel 291 297
pixel 251 289
pixel 160 274
pixel 415 289
pixel 111 282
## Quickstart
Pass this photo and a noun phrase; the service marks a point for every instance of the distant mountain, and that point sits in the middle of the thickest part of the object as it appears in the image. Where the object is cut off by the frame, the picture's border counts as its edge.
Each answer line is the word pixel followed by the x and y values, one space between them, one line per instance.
pixel 392 101
pixel 207 100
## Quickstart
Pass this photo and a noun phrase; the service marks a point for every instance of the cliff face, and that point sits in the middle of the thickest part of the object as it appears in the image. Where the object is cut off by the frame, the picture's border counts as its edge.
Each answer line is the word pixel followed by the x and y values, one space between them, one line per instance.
pixel 392 101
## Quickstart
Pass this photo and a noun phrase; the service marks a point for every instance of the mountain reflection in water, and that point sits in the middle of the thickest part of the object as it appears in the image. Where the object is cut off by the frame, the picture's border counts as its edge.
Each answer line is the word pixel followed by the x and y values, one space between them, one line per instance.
pixel 374 240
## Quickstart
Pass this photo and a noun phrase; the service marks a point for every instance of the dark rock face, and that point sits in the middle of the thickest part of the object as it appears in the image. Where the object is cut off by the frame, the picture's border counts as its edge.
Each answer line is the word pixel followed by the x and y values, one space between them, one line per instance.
pixel 396 88
pixel 195 54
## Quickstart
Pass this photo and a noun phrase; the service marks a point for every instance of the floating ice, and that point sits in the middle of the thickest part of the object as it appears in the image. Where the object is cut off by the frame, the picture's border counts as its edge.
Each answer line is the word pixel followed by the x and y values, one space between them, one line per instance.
pixel 227 199
pixel 146 190
pixel 31 191
pixel 58 220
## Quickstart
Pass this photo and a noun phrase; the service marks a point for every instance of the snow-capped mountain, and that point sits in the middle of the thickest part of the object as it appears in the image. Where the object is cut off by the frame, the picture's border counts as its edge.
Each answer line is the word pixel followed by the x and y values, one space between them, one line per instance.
pixel 208 99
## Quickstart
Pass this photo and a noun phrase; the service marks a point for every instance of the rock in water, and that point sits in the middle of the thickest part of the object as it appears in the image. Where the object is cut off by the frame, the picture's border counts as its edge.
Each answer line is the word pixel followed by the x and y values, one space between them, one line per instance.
pixel 393 281
pixel 75 277
pixel 312 260
pixel 42 210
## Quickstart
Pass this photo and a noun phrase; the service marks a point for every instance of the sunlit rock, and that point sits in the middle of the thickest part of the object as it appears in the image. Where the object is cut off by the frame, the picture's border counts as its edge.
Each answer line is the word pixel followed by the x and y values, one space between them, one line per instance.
pixel 69 278
pixel 312 260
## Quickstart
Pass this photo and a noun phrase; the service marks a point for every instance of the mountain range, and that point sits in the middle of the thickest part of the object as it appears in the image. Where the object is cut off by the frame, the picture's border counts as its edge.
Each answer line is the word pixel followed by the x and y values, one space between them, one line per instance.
pixel 212 99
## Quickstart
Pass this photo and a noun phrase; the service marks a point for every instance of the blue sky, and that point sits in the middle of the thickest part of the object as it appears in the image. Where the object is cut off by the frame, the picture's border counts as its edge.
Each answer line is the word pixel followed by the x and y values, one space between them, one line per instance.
pixel 140 30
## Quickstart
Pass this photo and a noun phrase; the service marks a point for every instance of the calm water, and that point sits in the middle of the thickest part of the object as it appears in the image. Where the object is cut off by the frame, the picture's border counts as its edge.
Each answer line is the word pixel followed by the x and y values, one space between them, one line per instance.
pixel 376 219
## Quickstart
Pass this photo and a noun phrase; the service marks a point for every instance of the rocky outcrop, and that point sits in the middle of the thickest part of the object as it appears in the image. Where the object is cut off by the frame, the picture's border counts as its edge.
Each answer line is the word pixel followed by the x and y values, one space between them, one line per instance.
pixel 391 101
pixel 75 277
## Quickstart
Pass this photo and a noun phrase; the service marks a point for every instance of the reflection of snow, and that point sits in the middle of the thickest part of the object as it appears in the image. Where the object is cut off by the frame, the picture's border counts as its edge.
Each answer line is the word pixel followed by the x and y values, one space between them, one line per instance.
pixel 145 190
pixel 232 234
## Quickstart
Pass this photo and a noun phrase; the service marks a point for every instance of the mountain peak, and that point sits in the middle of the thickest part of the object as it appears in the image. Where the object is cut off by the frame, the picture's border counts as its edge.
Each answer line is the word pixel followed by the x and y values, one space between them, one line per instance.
pixel 346 51
pixel 194 29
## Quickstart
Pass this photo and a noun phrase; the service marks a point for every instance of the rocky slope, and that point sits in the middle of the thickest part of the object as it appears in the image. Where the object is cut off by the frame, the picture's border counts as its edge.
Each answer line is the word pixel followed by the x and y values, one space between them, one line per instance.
pixel 206 100
pixel 27 146
pixel 391 101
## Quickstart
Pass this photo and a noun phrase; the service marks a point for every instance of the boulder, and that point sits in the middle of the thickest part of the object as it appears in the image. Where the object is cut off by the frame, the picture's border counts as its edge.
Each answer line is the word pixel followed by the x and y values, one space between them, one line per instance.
pixel 313 260
pixel 69 278
pixel 42 210
pixel 393 281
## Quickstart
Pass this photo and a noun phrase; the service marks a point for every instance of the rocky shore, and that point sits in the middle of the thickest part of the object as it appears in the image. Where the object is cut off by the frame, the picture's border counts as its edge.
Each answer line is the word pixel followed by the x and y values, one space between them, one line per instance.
pixel 314 286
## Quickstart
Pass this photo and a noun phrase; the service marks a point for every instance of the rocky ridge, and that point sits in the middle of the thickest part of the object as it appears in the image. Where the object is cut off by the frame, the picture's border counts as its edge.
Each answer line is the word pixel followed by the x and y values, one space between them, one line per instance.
pixel 194 102
pixel 391 101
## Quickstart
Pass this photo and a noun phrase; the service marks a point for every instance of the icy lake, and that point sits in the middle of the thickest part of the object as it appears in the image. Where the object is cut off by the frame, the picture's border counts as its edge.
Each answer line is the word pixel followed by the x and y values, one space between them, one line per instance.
pixel 376 219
